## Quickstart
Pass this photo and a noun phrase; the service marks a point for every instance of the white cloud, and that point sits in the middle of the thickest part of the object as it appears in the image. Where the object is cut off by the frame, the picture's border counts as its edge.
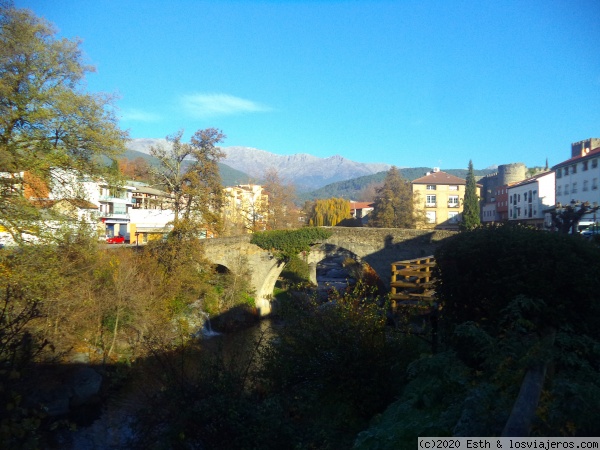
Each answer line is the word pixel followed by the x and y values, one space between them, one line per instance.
pixel 137 115
pixel 211 105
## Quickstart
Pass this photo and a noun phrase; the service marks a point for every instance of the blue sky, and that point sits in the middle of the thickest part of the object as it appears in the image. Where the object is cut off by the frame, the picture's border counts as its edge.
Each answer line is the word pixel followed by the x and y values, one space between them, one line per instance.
pixel 408 83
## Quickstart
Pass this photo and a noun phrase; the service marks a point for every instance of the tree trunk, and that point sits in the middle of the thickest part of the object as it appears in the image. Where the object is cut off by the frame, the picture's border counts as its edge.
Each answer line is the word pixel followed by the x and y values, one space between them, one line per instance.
pixel 115 331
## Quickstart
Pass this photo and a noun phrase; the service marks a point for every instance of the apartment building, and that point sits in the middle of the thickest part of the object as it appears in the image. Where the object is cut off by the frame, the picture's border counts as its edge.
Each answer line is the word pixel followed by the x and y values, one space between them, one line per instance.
pixel 440 196
pixel 529 200
pixel 245 208
pixel 577 178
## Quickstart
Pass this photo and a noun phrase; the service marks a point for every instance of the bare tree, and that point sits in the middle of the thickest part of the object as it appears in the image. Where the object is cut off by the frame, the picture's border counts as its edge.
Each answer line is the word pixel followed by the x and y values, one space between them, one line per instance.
pixel 190 173
pixel 282 212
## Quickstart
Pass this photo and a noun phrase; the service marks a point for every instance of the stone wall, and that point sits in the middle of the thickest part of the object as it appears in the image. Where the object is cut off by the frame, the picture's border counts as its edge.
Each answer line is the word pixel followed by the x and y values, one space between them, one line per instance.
pixel 379 247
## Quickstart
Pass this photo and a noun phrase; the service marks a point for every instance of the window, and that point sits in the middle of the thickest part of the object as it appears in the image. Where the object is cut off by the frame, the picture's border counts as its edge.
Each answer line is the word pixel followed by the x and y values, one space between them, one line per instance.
pixel 559 190
pixel 594 163
pixel 585 185
pixel 594 184
pixel 453 217
pixel 430 201
pixel 585 165
pixel 453 201
pixel 574 188
pixel 430 216
pixel 510 199
pixel 453 187
pixel 431 187
pixel 558 173
pixel 574 168
pixel 566 169
pixel 566 189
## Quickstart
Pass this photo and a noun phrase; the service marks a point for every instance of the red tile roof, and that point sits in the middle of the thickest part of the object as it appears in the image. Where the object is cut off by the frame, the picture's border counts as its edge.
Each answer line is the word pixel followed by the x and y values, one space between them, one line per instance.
pixel 361 205
pixel 594 152
pixel 439 178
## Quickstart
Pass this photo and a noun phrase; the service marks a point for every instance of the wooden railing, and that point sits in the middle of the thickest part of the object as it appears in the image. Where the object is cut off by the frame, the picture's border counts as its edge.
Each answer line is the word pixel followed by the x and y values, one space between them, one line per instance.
pixel 412 281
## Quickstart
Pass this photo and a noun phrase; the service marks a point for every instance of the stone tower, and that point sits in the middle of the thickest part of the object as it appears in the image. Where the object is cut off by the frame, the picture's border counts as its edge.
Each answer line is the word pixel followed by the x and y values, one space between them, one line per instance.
pixel 511 173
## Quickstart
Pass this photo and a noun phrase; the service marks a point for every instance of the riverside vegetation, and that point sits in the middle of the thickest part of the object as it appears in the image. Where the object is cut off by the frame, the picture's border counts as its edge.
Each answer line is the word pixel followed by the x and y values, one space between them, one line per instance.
pixel 334 374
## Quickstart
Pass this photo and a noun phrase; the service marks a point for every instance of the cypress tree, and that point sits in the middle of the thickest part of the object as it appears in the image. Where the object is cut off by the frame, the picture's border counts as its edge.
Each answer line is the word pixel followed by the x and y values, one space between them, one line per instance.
pixel 470 215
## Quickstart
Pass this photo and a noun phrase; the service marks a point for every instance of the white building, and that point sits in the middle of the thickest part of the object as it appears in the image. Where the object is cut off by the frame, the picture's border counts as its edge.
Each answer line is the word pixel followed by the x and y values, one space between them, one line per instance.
pixel 577 178
pixel 489 213
pixel 529 199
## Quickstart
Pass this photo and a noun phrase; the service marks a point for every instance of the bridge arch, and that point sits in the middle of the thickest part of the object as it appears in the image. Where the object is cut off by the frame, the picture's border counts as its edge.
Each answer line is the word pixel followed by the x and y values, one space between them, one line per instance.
pixel 379 247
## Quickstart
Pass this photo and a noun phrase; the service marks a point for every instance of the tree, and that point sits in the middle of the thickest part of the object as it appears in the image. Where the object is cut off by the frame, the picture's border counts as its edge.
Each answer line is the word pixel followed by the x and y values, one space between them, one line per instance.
pixel 47 121
pixel 190 173
pixel 470 215
pixel 329 212
pixel 566 217
pixel 369 192
pixel 281 213
pixel 136 169
pixel 394 205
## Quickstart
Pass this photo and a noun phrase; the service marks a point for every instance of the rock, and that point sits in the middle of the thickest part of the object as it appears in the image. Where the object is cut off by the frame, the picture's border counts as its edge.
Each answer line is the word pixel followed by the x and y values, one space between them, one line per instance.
pixel 85 384
pixel 80 358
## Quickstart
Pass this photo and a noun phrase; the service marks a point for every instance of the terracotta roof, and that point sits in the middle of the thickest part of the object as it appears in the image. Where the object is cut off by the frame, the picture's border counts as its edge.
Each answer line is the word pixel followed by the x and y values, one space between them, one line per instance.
pixel 361 205
pixel 574 159
pixel 439 178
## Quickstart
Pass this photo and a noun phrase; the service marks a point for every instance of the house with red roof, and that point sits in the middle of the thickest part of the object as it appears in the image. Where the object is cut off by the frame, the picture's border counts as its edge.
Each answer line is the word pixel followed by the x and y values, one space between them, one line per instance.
pixel 439 196
pixel 577 178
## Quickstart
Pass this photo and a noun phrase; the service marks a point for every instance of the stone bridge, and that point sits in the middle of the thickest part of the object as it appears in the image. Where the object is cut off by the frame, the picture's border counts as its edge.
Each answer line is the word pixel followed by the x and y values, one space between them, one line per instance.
pixel 379 247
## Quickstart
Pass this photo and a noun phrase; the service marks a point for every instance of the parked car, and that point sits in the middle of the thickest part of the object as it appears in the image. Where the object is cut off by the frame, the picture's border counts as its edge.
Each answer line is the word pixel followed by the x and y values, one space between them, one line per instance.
pixel 119 239
pixel 590 232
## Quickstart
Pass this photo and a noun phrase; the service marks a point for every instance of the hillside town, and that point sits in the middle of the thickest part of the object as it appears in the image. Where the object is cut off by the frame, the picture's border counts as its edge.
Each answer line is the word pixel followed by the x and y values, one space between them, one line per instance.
pixel 136 212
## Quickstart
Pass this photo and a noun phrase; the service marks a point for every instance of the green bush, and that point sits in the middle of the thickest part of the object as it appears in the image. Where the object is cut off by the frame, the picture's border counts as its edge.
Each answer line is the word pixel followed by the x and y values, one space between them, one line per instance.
pixel 481 271
pixel 296 271
pixel 290 242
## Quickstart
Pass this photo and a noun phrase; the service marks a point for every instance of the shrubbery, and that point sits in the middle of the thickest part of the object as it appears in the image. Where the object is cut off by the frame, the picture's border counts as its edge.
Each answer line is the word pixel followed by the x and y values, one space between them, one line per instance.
pixel 511 298
pixel 290 242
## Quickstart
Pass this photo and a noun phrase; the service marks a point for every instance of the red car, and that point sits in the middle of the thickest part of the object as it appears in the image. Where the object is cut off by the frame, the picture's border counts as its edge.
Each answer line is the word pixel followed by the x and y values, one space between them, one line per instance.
pixel 116 239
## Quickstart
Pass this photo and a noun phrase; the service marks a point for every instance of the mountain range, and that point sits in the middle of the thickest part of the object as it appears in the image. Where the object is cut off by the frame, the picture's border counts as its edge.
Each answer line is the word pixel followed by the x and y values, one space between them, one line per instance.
pixel 304 171
pixel 312 176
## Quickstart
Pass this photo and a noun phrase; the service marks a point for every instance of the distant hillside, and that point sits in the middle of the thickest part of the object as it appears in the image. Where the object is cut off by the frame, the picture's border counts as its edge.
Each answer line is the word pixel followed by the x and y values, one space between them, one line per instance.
pixel 229 175
pixel 305 171
pixel 312 176
pixel 350 189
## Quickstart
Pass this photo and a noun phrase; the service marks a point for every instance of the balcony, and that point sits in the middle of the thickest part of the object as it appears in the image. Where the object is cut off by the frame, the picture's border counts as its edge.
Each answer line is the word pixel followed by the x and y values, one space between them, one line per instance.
pixel 112 215
pixel 452 205
pixel 431 205
pixel 110 198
